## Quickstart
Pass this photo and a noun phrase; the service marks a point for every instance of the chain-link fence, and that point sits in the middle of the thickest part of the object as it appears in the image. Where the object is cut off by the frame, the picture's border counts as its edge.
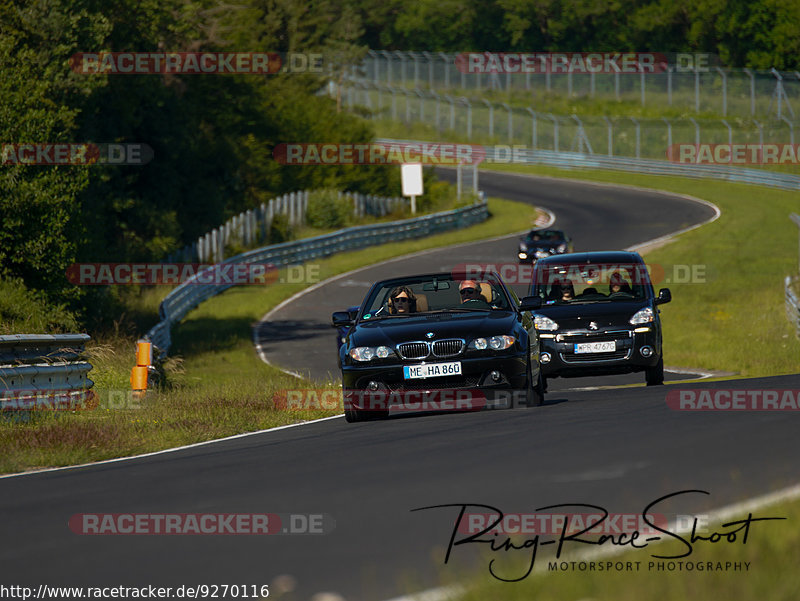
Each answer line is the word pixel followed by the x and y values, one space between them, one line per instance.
pixel 734 92
pixel 478 119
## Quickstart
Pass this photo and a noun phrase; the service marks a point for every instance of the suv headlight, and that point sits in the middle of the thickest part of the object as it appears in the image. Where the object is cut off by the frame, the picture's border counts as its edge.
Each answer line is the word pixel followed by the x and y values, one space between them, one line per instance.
pixel 645 315
pixel 496 343
pixel 368 353
pixel 545 324
pixel 561 248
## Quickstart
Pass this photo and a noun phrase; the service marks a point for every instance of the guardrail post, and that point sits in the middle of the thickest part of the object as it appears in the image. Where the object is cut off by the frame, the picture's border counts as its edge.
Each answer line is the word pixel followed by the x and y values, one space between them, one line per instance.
pixel 491 116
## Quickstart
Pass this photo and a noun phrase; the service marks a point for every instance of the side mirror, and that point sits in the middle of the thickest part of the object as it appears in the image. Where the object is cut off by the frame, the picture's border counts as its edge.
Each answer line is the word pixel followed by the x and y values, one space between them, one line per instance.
pixel 530 303
pixel 664 296
pixel 341 319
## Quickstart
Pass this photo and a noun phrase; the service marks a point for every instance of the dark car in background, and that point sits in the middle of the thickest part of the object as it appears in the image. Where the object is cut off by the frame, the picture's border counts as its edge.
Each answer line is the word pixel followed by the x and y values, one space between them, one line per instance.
pixel 460 335
pixel 596 314
pixel 540 243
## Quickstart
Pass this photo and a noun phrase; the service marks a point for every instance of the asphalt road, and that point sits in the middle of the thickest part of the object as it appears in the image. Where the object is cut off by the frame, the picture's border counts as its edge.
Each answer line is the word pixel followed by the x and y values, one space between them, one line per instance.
pixel 619 449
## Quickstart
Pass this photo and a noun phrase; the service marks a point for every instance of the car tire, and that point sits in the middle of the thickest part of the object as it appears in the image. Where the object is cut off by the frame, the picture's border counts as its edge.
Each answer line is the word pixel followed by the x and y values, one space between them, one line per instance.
pixel 654 376
pixel 534 395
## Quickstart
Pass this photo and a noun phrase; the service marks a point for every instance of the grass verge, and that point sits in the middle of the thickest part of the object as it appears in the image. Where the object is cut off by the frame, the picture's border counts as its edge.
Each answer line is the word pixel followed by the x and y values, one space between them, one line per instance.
pixel 216 384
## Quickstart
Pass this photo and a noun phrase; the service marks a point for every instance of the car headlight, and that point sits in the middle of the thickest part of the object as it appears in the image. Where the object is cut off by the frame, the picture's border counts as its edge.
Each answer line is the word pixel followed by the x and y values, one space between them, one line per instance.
pixel 545 324
pixel 561 248
pixel 645 315
pixel 368 353
pixel 496 343
pixel 541 254
pixel 523 247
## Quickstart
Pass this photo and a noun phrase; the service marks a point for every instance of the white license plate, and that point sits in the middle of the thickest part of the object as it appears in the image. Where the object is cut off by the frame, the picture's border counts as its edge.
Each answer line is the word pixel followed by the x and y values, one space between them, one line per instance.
pixel 596 347
pixel 432 370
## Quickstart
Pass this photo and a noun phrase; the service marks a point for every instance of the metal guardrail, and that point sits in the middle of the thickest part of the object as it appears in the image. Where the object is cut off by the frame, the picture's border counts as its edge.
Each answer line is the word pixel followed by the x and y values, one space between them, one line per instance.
pixel 576 160
pixel 792 305
pixel 190 294
pixel 41 371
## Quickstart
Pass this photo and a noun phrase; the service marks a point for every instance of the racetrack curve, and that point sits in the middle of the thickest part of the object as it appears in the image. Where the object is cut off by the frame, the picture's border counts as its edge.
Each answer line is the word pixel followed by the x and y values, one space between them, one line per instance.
pixel 619 449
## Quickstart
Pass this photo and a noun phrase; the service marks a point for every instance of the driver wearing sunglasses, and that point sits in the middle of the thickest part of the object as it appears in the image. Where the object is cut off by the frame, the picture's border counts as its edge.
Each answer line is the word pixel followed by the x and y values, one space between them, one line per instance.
pixel 402 300
pixel 470 292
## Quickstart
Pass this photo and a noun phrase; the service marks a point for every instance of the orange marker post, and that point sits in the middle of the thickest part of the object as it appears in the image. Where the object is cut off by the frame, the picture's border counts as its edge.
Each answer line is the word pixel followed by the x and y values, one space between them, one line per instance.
pixel 139 372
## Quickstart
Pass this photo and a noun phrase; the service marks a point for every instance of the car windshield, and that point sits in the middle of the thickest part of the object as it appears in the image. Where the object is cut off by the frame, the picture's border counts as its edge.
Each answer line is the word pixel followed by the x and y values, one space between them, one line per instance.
pixel 431 294
pixel 545 236
pixel 584 283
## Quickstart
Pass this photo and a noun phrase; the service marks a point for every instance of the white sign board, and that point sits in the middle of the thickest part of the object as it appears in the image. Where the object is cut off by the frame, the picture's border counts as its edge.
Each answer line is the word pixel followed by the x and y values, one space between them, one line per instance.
pixel 411 174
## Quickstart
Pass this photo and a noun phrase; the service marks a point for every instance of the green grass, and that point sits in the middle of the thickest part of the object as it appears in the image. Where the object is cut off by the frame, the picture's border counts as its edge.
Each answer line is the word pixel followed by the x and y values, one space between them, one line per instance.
pixel 768 546
pixel 215 385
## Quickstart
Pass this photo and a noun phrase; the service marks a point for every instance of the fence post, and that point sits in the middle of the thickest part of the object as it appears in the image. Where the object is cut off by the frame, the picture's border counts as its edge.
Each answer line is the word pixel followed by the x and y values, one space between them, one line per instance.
pixel 533 126
pixel 638 136
pixel 669 132
pixel 752 91
pixel 724 91
pixel 491 116
pixel 510 124
pixel 696 132
pixel 610 136
pixel 730 135
pixel 555 131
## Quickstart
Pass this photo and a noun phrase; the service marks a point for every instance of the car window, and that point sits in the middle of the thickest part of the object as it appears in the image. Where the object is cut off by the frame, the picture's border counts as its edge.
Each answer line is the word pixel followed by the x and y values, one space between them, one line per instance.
pixel 433 294
pixel 570 283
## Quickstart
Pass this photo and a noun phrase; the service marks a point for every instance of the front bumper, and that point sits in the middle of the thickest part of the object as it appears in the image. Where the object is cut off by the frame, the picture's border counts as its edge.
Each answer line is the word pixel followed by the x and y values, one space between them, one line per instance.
pixel 559 358
pixel 476 376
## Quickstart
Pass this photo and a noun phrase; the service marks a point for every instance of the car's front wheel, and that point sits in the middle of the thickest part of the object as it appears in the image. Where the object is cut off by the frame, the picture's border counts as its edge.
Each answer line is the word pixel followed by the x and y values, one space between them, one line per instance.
pixel 654 376
pixel 534 394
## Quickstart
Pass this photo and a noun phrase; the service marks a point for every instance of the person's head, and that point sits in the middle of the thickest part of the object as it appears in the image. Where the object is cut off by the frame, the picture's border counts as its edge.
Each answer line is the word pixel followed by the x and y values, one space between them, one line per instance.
pixel 567 290
pixel 469 290
pixel 402 300
pixel 617 284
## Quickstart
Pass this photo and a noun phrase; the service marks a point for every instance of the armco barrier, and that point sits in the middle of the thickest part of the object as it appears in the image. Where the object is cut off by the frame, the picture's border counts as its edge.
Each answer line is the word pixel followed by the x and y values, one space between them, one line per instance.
pixel 37 368
pixel 189 295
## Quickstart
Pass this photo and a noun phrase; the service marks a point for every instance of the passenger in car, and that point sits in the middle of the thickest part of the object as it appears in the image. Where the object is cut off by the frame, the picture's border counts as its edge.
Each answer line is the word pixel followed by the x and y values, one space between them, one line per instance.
pixel 618 284
pixel 402 300
pixel 561 291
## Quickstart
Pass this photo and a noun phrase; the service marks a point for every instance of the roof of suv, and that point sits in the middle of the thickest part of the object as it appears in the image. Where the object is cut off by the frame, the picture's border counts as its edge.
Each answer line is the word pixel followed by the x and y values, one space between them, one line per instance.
pixel 605 256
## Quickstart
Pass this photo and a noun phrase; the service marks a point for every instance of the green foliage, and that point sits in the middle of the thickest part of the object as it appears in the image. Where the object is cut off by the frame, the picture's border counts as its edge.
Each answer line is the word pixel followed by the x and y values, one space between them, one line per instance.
pixel 326 209
pixel 24 311
pixel 279 229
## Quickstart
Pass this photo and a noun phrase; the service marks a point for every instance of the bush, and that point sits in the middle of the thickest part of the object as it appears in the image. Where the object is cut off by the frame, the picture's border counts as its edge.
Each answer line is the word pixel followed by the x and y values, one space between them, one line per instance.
pixel 24 311
pixel 279 229
pixel 327 210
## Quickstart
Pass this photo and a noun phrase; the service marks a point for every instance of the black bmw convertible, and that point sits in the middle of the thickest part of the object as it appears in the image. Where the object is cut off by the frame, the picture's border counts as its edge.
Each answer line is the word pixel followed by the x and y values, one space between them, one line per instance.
pixel 437 341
